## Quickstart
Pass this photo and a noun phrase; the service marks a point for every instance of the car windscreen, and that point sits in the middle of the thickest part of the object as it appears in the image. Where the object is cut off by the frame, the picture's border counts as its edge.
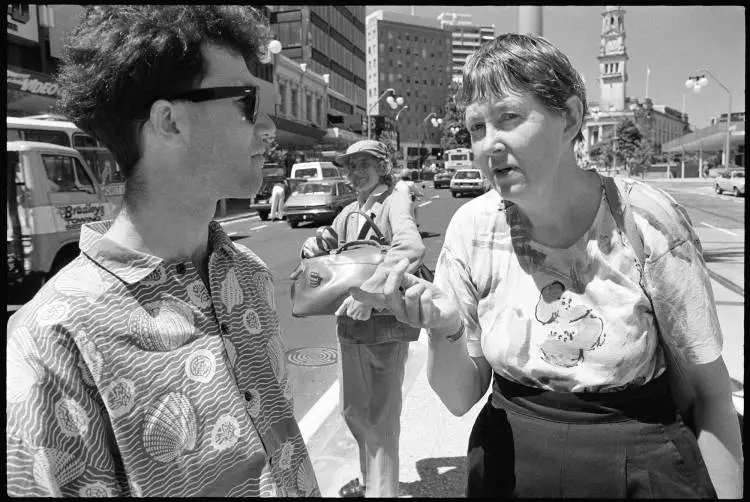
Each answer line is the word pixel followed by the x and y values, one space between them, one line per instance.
pixel 739 175
pixel 467 175
pixel 314 188
pixel 310 172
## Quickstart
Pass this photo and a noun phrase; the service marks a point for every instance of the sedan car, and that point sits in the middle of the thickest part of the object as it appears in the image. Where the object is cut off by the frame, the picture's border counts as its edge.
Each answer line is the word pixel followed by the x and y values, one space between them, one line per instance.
pixel 732 181
pixel 469 181
pixel 443 178
pixel 318 201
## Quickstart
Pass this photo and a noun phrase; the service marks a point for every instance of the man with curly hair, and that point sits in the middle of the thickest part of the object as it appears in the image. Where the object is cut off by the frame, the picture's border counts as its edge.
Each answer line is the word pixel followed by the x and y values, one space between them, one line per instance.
pixel 152 365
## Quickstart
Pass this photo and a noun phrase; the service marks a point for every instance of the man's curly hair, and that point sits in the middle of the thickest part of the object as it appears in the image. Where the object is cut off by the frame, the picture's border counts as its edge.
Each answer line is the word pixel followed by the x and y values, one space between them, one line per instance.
pixel 122 58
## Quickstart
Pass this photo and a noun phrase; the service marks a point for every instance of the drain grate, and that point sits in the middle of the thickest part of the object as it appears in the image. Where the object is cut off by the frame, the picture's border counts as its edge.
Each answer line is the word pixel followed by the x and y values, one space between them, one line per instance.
pixel 312 356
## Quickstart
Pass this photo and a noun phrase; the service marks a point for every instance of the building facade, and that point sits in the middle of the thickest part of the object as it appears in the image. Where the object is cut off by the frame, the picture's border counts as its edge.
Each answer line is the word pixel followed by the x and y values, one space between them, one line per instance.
pixel 614 106
pixel 327 40
pixel 465 38
pixel 412 56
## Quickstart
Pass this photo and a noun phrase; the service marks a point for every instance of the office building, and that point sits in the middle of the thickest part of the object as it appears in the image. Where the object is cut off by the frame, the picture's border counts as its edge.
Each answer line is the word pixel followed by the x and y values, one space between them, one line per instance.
pixel 412 56
pixel 465 38
pixel 326 40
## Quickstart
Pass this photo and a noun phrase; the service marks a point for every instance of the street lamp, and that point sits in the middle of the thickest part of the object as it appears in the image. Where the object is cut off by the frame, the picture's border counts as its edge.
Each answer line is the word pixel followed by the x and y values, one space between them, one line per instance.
pixel 393 102
pixel 698 81
pixel 398 129
pixel 454 130
pixel 436 122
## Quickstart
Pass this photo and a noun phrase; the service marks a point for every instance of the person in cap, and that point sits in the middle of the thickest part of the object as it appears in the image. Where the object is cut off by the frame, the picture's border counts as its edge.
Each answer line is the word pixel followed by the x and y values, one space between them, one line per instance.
pixel 374 345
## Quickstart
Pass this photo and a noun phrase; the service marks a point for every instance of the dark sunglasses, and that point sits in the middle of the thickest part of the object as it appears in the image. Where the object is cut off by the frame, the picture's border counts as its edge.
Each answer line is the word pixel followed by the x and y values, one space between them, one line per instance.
pixel 249 100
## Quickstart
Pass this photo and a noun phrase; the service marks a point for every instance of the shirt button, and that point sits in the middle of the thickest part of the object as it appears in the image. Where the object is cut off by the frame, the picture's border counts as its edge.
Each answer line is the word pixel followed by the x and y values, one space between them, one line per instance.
pixel 248 396
pixel 180 268
pixel 224 328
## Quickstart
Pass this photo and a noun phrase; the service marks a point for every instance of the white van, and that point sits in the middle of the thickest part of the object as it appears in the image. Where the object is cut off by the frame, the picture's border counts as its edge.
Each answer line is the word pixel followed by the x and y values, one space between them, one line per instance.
pixel 315 170
pixel 52 191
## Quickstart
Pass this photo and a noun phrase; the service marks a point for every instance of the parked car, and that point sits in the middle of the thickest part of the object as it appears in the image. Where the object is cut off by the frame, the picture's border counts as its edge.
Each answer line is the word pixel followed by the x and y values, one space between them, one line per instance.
pixel 318 201
pixel 732 181
pixel 261 202
pixel 443 178
pixel 315 170
pixel 468 181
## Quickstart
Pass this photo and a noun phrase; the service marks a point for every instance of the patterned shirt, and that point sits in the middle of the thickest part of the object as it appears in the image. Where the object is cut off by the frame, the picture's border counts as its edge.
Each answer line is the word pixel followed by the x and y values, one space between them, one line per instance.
pixel 576 319
pixel 126 376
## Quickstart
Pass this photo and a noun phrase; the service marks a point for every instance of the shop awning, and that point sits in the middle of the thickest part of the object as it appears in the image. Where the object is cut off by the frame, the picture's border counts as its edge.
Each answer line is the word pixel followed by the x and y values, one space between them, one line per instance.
pixel 295 134
pixel 710 139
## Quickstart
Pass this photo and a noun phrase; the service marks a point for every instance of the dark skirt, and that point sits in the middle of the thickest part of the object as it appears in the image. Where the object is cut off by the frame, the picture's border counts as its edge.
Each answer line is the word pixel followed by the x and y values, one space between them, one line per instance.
pixel 529 442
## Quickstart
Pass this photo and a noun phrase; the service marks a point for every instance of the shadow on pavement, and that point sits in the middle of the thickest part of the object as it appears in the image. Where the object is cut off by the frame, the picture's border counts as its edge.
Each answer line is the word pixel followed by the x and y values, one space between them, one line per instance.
pixel 443 477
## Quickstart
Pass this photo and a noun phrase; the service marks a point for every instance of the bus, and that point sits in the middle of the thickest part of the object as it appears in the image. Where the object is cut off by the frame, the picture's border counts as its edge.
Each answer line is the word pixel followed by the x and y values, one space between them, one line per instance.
pixel 56 129
pixel 458 158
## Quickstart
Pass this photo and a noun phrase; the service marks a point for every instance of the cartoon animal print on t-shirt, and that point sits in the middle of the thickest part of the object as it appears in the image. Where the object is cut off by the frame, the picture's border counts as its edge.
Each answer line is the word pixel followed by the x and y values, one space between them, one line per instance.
pixel 572 328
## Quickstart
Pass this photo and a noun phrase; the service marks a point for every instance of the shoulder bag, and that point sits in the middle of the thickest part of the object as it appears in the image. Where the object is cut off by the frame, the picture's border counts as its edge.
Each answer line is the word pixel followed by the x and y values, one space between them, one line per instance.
pixel 324 282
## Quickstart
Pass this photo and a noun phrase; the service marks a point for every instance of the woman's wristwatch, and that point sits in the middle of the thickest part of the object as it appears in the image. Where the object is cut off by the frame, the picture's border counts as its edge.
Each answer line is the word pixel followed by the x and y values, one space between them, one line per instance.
pixel 458 334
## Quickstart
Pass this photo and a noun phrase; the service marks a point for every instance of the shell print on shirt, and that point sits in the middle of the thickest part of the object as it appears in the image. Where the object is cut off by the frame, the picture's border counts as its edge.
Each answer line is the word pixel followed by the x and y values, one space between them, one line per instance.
pixel 128 377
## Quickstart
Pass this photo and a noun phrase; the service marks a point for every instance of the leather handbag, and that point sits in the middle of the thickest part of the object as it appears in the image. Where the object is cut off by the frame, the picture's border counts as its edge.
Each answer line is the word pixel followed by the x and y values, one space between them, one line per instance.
pixel 324 281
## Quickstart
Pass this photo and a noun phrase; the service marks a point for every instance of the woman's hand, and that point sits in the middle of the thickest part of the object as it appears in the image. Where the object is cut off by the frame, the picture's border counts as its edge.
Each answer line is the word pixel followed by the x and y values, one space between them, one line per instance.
pixel 325 240
pixel 354 309
pixel 413 301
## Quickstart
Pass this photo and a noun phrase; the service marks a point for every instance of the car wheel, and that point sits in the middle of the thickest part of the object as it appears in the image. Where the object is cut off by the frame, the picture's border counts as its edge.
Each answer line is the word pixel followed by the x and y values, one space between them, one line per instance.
pixel 718 190
pixel 455 194
pixel 736 192
pixel 292 223
pixel 263 215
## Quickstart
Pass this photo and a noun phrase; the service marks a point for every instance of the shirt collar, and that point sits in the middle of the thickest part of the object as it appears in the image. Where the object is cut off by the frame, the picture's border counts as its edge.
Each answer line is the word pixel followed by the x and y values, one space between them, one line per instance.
pixel 130 265
pixel 376 197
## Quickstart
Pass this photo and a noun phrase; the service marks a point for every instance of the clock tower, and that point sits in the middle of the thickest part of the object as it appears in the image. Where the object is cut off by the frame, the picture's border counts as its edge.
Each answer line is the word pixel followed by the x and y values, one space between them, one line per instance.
pixel 612 60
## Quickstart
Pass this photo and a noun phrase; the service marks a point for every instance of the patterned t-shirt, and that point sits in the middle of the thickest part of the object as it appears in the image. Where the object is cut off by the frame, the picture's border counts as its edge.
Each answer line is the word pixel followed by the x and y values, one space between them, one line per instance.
pixel 576 319
pixel 126 376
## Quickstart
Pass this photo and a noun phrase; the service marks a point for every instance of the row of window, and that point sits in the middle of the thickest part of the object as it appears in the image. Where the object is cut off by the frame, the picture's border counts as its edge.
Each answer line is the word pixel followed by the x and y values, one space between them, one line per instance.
pixel 340 23
pixel 611 67
pixel 294 102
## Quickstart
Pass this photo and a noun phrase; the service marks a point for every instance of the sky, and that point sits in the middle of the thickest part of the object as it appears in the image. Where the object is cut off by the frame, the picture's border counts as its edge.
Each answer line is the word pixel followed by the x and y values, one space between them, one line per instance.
pixel 673 41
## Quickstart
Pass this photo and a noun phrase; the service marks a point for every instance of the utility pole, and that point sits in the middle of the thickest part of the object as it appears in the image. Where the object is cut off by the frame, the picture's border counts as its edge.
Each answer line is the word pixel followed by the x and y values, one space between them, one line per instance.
pixel 530 19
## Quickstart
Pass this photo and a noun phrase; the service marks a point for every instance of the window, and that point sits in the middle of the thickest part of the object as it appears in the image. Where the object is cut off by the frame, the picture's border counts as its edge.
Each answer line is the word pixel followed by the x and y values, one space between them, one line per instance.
pixel 318 110
pixel 83 141
pixel 329 172
pixel 55 137
pixel 308 107
pixel 390 49
pixel 408 79
pixel 295 103
pixel 67 174
pixel 282 96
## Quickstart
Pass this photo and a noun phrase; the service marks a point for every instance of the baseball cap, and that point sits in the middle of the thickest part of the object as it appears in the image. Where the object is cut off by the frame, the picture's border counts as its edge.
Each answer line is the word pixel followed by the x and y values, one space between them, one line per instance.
pixel 370 146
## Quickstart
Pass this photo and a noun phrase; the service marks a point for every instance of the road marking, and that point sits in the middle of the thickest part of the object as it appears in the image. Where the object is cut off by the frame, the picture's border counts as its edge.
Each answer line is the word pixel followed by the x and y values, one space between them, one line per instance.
pixel 735 288
pixel 320 411
pixel 259 227
pixel 719 229
pixel 425 203
pixel 435 197
pixel 240 220
pixel 232 233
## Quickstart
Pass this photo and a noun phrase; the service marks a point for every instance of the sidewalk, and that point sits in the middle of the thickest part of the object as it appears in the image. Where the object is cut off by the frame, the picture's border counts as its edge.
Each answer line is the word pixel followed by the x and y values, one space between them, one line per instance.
pixel 235 209
pixel 433 441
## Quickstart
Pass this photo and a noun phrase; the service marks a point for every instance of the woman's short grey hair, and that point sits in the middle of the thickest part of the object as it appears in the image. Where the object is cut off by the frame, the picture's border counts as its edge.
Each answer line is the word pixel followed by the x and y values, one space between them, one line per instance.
pixel 521 64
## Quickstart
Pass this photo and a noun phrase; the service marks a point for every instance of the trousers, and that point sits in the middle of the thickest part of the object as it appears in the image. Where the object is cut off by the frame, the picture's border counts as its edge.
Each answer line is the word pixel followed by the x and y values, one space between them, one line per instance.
pixel 371 380
pixel 633 443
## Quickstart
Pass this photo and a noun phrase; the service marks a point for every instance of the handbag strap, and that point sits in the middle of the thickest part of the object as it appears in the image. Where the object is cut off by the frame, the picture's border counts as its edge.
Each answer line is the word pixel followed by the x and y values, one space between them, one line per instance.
pixel 365 228
pixel 623 216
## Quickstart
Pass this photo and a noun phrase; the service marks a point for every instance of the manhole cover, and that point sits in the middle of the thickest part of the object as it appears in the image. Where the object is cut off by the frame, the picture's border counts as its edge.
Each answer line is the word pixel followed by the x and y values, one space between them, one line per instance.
pixel 312 356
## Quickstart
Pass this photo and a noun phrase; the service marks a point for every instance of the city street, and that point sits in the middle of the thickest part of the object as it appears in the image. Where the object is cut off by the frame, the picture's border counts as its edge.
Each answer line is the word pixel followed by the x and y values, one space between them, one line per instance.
pixel 311 342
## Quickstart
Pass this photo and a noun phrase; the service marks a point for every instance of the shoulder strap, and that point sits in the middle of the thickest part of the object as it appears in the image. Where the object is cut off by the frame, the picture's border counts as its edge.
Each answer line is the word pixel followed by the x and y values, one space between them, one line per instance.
pixel 365 228
pixel 623 215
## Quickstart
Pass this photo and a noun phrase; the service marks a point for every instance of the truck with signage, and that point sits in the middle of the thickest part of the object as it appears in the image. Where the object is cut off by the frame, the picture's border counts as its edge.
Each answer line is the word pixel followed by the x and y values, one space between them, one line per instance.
pixel 51 192
pixel 49 128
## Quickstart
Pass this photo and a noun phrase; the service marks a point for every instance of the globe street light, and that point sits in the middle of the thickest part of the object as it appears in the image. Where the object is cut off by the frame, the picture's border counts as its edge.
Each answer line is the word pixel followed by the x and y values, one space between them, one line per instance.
pixel 435 121
pixel 454 130
pixel 398 129
pixel 392 101
pixel 698 81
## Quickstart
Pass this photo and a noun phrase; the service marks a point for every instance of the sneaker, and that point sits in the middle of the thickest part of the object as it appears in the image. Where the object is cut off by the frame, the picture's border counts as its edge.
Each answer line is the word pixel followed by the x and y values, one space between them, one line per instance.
pixel 353 489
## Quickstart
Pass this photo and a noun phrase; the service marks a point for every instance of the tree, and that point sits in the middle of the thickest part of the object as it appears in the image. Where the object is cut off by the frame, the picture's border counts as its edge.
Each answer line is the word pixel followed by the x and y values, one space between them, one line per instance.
pixel 454 117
